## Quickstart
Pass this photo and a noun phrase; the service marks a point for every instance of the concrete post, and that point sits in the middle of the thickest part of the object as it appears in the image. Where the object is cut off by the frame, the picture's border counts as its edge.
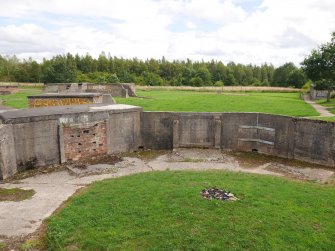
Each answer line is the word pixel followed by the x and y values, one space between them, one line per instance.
pixel 217 133
pixel 175 134
pixel 61 143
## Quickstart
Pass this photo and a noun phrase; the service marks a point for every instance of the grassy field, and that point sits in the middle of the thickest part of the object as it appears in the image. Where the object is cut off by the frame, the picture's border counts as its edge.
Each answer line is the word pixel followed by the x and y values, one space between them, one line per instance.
pixel 275 103
pixel 194 101
pixel 165 211
pixel 19 99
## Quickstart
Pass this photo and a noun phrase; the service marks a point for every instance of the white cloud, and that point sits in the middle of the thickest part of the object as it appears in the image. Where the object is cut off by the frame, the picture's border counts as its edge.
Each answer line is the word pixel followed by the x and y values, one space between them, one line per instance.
pixel 277 31
pixel 190 25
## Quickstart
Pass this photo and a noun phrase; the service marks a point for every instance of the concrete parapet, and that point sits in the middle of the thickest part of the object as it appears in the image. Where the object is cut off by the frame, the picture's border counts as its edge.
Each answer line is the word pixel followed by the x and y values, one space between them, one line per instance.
pixel 37 137
pixel 124 90
pixel 295 138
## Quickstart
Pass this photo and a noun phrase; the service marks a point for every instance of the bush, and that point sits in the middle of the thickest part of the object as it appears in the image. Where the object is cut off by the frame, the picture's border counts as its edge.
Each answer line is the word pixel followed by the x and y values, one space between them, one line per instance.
pixel 307 86
pixel 219 83
pixel 113 78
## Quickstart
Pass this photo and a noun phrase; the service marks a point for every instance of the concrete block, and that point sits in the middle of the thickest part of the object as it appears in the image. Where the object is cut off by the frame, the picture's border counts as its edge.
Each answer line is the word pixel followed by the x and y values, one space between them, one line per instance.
pixel 196 130
pixel 314 141
pixel 36 143
pixel 123 132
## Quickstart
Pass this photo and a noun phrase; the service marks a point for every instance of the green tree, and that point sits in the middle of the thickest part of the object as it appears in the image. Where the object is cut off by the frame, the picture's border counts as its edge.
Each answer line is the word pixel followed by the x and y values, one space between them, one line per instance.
pixel 297 78
pixel 319 66
pixel 60 70
pixel 282 73
pixel 204 74
pixel 113 78
pixel 153 79
pixel 230 80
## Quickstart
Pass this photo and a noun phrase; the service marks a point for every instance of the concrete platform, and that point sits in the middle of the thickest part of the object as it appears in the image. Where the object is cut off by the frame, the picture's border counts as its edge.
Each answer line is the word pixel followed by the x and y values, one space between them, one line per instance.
pixel 53 112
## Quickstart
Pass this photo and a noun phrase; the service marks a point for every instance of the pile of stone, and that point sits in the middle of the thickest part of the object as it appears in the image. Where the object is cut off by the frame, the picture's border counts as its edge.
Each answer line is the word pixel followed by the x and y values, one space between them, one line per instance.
pixel 217 194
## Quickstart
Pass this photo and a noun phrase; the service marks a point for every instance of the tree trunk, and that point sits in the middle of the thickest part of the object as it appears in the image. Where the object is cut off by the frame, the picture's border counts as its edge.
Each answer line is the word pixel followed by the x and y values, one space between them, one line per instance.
pixel 328 95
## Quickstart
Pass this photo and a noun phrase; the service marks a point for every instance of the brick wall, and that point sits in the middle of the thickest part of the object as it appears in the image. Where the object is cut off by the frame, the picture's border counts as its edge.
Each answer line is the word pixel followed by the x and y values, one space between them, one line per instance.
pixel 84 140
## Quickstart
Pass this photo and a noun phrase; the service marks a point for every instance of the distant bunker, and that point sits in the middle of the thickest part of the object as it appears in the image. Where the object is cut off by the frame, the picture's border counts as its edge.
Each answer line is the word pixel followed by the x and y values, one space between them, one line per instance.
pixel 123 90
pixel 8 89
pixel 62 99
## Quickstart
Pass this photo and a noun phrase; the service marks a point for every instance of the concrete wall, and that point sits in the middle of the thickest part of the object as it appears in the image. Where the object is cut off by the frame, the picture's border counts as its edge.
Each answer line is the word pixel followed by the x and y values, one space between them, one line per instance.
pixel 157 130
pixel 302 139
pixel 8 165
pixel 124 90
pixel 124 132
pixel 116 90
pixel 36 144
pixel 37 137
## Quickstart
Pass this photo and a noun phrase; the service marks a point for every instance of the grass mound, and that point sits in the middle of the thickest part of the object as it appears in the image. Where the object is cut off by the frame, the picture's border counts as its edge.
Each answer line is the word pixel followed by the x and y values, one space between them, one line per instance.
pixel 165 211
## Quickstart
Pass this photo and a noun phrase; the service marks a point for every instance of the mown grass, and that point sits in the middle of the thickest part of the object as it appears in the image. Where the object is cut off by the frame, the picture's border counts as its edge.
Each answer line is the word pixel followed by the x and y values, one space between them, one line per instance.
pixel 190 101
pixel 324 102
pixel 329 119
pixel 19 99
pixel 165 211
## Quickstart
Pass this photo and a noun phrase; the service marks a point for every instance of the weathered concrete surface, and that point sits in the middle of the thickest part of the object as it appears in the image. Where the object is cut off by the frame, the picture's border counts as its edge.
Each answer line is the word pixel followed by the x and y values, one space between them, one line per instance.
pixel 40 138
pixel 36 143
pixel 116 90
pixel 123 132
pixel 8 165
pixel 5 108
pixel 22 218
pixel 289 137
pixel 54 135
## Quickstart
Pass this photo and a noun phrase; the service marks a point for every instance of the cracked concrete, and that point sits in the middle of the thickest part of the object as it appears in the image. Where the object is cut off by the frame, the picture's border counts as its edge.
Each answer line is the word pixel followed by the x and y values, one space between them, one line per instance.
pixel 52 189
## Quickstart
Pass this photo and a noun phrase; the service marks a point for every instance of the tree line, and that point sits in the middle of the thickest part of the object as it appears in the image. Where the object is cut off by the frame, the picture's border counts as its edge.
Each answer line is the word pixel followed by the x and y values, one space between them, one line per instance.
pixel 106 69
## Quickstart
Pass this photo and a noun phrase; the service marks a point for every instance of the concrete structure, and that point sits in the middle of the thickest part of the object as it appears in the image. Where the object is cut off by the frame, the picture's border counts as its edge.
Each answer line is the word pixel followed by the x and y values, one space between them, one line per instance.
pixel 51 135
pixel 8 89
pixel 61 99
pixel 124 90
pixel 37 137
pixel 318 94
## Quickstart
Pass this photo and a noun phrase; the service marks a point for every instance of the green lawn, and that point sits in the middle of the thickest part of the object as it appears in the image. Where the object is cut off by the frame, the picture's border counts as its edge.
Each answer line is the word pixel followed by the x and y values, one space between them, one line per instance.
pixel 324 102
pixel 275 103
pixel 19 99
pixel 164 211
pixel 329 119
pixel 161 100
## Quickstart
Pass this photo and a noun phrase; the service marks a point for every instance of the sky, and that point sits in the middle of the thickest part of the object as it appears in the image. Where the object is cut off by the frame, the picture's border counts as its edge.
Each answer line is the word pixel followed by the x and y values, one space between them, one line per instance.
pixel 242 31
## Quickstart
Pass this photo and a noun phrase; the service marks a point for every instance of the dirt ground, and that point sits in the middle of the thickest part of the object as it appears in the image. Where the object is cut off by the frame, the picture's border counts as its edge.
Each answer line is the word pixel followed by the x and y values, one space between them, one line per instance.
pixel 19 220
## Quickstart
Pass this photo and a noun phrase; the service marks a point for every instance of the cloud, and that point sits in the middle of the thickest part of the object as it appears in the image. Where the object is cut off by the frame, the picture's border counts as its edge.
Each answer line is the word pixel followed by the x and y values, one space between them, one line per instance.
pixel 244 31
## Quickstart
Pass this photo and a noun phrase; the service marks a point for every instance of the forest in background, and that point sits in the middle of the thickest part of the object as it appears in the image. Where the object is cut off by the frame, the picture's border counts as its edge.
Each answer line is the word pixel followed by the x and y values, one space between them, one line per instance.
pixel 106 69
